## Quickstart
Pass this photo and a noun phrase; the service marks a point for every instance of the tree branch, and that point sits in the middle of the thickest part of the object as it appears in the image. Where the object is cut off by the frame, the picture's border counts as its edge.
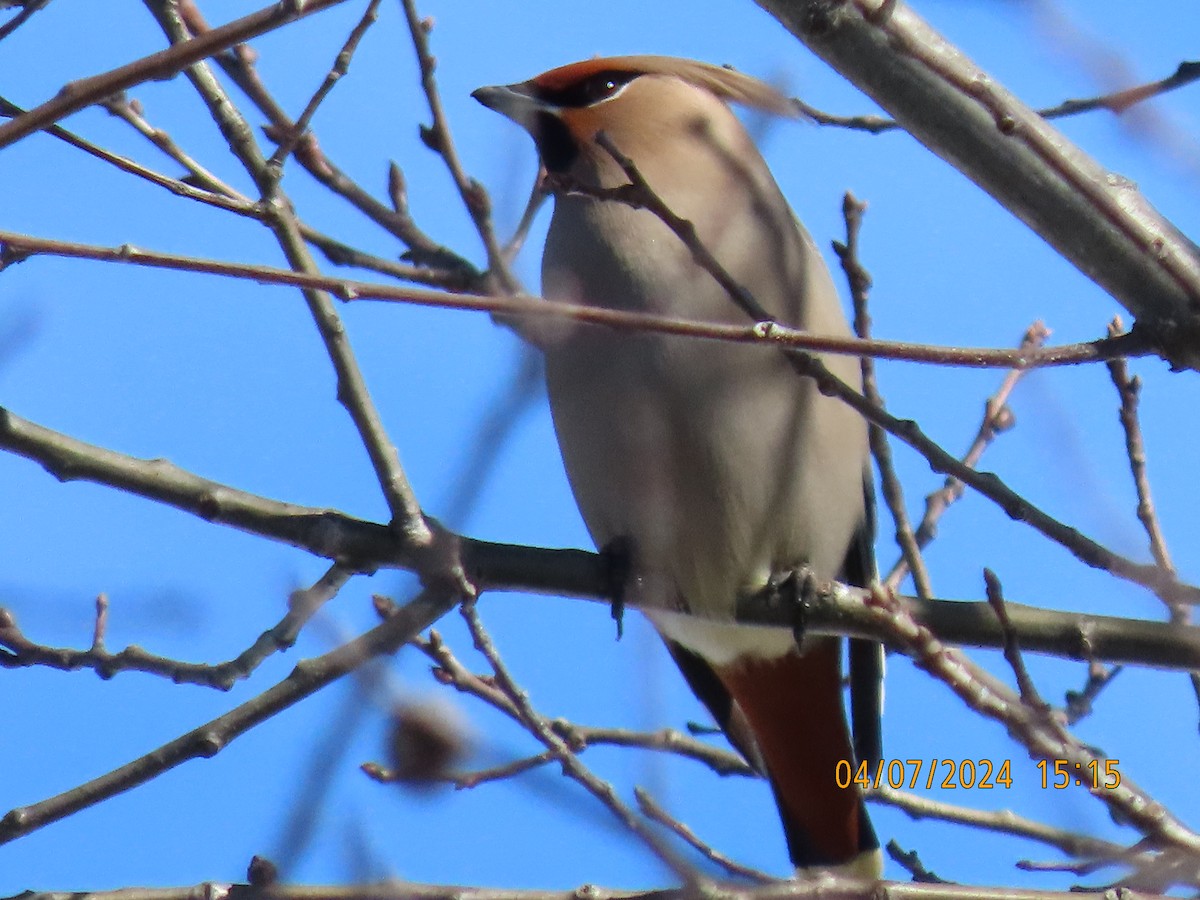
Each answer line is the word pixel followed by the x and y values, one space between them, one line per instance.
pixel 16 247
pixel 364 546
pixel 1099 222
pixel 157 66
pixel 209 739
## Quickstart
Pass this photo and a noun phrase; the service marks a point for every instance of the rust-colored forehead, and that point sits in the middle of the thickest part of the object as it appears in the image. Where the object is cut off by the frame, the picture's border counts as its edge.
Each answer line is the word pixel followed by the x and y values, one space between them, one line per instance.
pixel 725 83
pixel 565 76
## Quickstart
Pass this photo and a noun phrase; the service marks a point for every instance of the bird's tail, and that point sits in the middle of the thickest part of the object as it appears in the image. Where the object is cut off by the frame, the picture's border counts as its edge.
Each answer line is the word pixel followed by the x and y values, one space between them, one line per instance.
pixel 793 705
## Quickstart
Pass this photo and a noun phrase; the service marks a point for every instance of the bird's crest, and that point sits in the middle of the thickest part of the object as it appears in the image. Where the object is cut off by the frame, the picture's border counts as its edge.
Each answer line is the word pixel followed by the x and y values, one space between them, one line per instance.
pixel 728 84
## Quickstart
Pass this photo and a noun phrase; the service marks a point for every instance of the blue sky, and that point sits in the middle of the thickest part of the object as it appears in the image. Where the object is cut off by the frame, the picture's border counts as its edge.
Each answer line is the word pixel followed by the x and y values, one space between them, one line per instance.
pixel 228 379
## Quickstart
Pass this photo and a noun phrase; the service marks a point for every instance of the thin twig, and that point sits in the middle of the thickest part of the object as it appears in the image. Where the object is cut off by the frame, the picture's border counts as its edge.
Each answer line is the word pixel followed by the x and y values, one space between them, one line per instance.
pixel 341 65
pixel 238 64
pixel 1012 647
pixel 352 391
pixel 16 247
pixel 218 194
pixel 450 671
pixel 1079 704
pixel 209 739
pixel 657 814
pixel 1041 735
pixel 1129 389
pixel 438 138
pixel 470 780
pixel 21 652
pixel 538 196
pixel 910 861
pixel 664 740
pixel 541 729
pixel 231 201
pixel 1120 101
pixel 27 11
pixel 893 493
pixel 76 95
pixel 130 112
pixel 997 418
pixel 1117 102
pixel 1001 821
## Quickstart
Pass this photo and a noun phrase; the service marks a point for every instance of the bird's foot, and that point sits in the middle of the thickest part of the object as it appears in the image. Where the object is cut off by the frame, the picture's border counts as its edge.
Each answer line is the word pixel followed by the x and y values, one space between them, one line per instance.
pixel 617 555
pixel 795 589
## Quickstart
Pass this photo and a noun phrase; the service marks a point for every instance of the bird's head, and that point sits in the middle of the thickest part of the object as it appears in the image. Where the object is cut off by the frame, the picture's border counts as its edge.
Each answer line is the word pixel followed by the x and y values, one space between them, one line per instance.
pixel 651 107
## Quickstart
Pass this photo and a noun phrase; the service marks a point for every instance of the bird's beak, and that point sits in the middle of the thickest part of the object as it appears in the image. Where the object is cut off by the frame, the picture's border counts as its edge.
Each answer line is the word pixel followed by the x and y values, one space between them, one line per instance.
pixel 513 101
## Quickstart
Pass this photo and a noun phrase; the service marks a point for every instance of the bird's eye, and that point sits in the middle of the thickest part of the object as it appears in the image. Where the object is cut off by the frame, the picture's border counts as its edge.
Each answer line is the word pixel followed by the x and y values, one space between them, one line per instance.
pixel 599 88
pixel 591 90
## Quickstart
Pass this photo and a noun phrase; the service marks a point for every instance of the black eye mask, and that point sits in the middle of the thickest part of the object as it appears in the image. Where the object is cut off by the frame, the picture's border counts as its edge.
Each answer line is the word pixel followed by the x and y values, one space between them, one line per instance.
pixel 590 90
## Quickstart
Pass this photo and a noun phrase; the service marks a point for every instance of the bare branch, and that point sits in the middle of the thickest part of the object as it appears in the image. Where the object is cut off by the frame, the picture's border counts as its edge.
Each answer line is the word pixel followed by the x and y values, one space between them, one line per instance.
pixel 1012 648
pixel 1120 101
pixel 451 672
pixel 1129 388
pixel 229 200
pixel 157 66
pixel 1001 821
pixel 657 814
pixel 365 546
pixel 209 739
pixel 407 517
pixel 997 418
pixel 238 64
pixel 1079 703
pixel 16 247
pixel 1042 736
pixel 911 863
pixel 1117 102
pixel 301 606
pixel 1099 222
pixel 893 494
pixel 439 139
pixel 813 889
pixel 540 728
pixel 29 7
pixel 640 195
pixel 341 66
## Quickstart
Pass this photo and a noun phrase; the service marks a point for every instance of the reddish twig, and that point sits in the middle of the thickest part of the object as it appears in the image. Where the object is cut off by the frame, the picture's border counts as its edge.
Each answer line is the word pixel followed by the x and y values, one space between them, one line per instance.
pixel 16 247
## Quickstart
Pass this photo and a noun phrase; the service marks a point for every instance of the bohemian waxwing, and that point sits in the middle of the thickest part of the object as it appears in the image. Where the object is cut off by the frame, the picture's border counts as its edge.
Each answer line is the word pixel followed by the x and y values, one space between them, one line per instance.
pixel 714 463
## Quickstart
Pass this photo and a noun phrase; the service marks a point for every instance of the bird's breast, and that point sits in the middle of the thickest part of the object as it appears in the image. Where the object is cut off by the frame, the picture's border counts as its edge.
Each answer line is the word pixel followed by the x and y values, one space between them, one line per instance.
pixel 715 460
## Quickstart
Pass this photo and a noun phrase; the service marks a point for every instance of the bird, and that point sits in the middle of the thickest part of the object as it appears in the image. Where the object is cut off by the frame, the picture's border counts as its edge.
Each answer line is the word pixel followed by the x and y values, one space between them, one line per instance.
pixel 714 465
